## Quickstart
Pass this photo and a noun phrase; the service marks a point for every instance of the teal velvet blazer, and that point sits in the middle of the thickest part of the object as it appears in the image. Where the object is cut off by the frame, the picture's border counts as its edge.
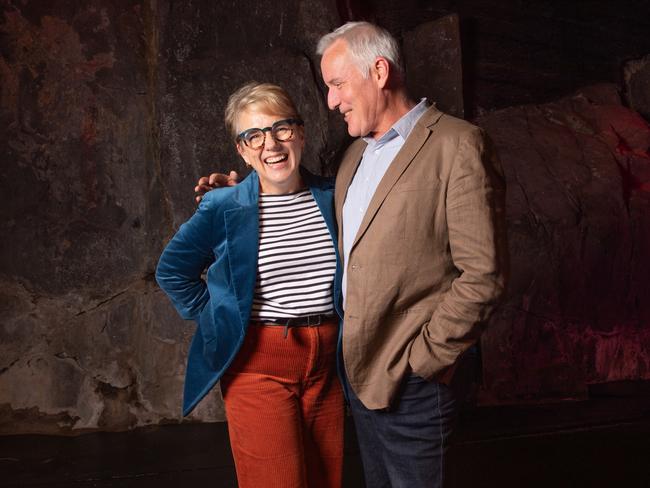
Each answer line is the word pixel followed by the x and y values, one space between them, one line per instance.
pixel 222 237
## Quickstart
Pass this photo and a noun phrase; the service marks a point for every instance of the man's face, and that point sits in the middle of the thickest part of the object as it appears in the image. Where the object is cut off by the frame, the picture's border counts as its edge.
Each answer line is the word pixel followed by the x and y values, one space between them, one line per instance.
pixel 356 97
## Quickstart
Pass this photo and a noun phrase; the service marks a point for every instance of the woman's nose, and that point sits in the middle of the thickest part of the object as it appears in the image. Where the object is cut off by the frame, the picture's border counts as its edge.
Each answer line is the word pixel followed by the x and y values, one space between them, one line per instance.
pixel 269 140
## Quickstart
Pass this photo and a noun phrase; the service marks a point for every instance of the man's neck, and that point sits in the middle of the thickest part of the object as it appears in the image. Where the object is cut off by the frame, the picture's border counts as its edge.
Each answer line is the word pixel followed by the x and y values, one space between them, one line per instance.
pixel 397 104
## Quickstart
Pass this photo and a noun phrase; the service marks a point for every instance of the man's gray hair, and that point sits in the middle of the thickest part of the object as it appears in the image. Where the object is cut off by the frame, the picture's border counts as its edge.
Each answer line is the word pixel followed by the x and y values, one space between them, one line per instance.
pixel 366 42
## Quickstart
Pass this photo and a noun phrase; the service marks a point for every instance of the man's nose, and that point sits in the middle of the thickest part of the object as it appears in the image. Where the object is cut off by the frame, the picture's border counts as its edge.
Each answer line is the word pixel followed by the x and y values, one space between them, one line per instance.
pixel 332 99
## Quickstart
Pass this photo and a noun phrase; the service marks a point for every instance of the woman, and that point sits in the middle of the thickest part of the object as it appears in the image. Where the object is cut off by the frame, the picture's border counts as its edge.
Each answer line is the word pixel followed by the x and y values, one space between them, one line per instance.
pixel 267 316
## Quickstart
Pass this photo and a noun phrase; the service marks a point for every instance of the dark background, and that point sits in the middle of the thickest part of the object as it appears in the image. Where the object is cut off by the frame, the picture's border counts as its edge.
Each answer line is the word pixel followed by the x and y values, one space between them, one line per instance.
pixel 111 110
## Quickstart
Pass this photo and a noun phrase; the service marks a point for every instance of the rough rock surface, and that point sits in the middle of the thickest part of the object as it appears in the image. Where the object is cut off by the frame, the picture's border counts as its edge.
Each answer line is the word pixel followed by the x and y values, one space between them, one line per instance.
pixel 517 53
pixel 110 111
pixel 201 62
pixel 578 207
pixel 637 85
pixel 425 63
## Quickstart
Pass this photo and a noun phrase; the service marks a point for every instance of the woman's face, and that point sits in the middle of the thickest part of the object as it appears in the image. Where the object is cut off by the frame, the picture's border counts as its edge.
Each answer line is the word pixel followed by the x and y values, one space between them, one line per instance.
pixel 277 163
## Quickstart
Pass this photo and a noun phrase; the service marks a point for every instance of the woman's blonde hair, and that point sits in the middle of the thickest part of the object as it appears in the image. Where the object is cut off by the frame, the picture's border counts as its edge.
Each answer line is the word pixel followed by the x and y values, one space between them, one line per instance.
pixel 265 97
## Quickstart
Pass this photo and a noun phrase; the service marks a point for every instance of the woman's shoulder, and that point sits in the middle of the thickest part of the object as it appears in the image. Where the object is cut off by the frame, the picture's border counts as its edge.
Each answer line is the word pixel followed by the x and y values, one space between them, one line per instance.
pixel 228 196
pixel 318 181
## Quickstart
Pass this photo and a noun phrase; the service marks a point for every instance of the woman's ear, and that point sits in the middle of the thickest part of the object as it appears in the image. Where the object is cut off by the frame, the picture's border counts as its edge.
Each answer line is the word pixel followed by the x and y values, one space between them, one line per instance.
pixel 242 153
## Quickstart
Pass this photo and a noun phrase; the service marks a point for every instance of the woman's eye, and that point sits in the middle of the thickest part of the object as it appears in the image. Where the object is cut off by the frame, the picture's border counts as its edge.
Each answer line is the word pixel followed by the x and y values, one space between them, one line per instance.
pixel 254 138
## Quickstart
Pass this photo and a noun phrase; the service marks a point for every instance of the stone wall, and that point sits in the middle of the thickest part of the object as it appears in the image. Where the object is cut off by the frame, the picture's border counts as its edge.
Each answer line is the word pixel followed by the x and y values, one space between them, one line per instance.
pixel 518 52
pixel 110 112
pixel 578 208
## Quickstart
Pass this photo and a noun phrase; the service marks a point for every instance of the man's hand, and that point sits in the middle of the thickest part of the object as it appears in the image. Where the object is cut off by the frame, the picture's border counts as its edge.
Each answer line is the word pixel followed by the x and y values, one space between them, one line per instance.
pixel 215 180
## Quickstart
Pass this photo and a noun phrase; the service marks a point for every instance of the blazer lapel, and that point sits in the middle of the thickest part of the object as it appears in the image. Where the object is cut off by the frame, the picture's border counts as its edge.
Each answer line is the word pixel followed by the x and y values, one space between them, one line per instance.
pixel 242 236
pixel 414 142
pixel 324 200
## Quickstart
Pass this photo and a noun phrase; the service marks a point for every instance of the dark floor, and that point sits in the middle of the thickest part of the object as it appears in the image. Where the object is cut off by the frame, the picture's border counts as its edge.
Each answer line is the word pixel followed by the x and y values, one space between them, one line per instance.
pixel 602 442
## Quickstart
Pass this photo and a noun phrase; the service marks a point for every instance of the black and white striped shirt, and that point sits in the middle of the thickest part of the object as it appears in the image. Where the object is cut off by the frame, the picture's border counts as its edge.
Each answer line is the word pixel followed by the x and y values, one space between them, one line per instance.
pixel 296 259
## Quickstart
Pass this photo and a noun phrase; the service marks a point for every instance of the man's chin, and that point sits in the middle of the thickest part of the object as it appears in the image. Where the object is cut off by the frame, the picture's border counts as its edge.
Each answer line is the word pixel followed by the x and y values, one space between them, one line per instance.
pixel 353 132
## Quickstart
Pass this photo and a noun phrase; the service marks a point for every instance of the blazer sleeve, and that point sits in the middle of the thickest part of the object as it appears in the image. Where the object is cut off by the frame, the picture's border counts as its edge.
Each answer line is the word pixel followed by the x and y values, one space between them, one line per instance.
pixel 185 258
pixel 475 209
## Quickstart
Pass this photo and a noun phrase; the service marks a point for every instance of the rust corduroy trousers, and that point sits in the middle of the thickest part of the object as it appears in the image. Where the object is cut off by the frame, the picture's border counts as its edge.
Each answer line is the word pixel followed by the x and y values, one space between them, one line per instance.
pixel 285 410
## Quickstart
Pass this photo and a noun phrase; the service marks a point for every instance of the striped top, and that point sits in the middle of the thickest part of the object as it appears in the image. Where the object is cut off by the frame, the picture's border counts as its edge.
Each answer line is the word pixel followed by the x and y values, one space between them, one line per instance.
pixel 296 259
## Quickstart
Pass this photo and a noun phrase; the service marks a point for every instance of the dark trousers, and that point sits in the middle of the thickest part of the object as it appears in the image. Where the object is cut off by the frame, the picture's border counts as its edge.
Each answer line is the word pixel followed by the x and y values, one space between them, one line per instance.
pixel 406 445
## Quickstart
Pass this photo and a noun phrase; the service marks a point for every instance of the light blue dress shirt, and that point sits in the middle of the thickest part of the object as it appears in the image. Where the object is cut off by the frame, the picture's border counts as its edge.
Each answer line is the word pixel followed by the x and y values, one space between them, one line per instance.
pixel 377 157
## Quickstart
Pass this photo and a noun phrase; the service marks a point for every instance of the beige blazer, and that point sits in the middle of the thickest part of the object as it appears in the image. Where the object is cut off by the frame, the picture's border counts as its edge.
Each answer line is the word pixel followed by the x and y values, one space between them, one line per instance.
pixel 429 261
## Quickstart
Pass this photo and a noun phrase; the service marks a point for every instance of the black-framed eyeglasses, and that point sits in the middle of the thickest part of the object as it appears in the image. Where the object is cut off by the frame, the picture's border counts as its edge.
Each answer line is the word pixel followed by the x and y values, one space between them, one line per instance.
pixel 281 131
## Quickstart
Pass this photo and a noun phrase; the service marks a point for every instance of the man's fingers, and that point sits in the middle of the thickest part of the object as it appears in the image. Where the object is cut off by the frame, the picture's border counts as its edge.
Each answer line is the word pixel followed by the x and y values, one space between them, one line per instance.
pixel 233 178
pixel 218 179
pixel 215 180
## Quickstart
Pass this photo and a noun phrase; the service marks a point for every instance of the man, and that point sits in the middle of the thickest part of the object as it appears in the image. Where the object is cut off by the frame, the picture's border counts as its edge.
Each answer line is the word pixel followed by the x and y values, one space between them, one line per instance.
pixel 419 202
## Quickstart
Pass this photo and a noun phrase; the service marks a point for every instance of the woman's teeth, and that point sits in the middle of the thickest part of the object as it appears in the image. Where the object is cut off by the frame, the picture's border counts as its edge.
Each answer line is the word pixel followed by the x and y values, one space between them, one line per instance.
pixel 276 159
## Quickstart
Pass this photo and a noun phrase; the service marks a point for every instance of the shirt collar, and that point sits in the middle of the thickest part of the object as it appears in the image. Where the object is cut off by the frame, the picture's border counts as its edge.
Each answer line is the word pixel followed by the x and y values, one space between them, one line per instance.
pixel 402 127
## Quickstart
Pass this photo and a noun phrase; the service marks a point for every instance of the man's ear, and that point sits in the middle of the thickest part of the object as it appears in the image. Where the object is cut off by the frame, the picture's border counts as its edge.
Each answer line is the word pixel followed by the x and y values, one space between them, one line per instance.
pixel 381 71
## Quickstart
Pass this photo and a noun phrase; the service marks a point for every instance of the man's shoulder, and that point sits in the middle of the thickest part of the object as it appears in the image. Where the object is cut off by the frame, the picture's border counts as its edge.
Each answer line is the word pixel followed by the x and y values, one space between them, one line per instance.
pixel 448 125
